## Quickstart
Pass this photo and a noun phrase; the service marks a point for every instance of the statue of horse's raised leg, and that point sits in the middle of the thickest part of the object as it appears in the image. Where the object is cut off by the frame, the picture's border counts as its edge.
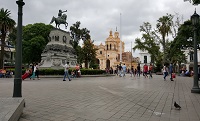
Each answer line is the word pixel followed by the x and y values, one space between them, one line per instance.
pixel 52 20
pixel 58 26
pixel 66 24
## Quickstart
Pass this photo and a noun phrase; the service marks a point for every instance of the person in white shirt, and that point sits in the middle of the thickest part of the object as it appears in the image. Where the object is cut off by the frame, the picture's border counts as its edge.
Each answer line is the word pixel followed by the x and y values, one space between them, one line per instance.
pixel 37 71
pixel 165 72
pixel 33 73
pixel 66 68
pixel 124 69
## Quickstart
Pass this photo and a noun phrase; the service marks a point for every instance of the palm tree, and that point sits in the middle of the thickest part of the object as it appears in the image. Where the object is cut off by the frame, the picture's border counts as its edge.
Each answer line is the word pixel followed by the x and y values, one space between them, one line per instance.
pixel 164 28
pixel 6 25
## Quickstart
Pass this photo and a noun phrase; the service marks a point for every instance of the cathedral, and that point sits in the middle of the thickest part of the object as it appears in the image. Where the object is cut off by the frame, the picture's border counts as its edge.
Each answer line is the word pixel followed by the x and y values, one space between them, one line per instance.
pixel 108 55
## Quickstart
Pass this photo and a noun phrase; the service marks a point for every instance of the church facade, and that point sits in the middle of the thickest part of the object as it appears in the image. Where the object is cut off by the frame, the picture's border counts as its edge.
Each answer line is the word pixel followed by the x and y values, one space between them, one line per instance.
pixel 108 54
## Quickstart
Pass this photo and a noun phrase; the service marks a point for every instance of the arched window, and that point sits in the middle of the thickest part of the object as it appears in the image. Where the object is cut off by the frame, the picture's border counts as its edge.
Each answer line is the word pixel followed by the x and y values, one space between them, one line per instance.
pixel 110 47
pixel 107 47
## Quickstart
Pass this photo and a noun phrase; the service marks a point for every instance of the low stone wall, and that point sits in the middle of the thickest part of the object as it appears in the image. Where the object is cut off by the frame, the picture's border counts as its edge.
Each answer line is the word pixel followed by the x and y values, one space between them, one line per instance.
pixel 11 108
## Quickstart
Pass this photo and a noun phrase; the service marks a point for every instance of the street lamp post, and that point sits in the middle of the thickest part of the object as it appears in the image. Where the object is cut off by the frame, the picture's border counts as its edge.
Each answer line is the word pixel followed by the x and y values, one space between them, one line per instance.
pixel 17 91
pixel 195 21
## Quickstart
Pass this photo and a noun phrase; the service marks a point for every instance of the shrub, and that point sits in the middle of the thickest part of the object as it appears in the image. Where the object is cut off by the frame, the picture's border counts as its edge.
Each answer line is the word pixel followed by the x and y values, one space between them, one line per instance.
pixel 61 71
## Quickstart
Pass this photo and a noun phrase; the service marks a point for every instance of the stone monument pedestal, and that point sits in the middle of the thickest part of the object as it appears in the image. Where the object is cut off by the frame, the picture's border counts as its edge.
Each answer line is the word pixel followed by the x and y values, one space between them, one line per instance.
pixel 58 51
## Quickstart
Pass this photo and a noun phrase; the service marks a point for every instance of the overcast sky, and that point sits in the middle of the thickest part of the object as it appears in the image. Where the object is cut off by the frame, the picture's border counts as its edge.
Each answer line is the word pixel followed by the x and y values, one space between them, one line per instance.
pixel 101 16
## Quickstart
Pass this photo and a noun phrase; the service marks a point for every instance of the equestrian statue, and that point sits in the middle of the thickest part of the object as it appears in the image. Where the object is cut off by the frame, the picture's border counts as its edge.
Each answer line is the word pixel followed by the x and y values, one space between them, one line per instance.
pixel 60 20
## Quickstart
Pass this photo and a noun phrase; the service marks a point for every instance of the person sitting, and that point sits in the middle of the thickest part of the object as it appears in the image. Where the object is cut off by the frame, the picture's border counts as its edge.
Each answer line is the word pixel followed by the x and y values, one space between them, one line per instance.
pixel 73 75
pixel 2 73
pixel 77 68
pixel 191 73
pixel 187 73
pixel 8 74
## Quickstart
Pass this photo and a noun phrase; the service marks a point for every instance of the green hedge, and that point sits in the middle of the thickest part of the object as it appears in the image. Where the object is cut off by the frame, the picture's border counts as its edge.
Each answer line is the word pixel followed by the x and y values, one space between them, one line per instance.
pixel 61 71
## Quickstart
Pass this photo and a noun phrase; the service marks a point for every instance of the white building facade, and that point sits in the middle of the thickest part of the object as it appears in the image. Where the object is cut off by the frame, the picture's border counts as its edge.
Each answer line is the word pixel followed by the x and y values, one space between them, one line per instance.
pixel 145 58
pixel 189 54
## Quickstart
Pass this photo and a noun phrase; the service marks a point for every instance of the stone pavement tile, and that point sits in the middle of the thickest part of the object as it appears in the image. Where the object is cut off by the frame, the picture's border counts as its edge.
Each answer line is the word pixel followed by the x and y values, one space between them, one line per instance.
pixel 164 119
pixel 79 119
pixel 124 118
pixel 72 118
pixel 133 119
pixel 22 119
pixel 128 114
pixel 88 120
pixel 104 115
pixel 154 118
pixel 99 119
pixel 144 119
pixel 90 98
pixel 114 119
pixel 118 115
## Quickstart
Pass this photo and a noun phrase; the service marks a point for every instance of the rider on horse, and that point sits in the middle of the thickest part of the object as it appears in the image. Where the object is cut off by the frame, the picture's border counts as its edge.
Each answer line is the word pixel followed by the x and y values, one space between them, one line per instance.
pixel 60 20
pixel 60 16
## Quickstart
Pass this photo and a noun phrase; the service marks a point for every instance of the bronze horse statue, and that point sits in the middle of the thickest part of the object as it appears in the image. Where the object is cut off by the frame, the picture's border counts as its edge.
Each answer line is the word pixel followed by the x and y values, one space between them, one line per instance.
pixel 60 20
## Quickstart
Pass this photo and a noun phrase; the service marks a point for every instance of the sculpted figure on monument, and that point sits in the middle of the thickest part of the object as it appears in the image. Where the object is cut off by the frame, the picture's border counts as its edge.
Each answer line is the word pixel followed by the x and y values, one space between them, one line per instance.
pixel 59 49
pixel 60 20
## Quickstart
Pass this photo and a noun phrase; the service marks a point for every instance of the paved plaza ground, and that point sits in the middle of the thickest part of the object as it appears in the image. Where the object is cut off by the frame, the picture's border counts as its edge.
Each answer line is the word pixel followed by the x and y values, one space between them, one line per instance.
pixel 106 99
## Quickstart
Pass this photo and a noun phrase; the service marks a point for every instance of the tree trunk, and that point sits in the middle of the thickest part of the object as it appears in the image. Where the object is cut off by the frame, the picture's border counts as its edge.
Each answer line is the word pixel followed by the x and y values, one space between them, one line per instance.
pixel 86 64
pixel 164 54
pixel 2 51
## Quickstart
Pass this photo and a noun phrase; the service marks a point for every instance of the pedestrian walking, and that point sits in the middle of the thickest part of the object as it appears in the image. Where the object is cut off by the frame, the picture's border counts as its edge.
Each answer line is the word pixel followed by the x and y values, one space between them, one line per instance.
pixel 33 72
pixel 150 70
pixel 132 71
pixel 37 71
pixel 77 68
pixel 165 72
pixel 116 70
pixel 171 71
pixel 145 70
pixel 66 68
pixel 138 70
pixel 124 69
pixel 135 72
pixel 120 70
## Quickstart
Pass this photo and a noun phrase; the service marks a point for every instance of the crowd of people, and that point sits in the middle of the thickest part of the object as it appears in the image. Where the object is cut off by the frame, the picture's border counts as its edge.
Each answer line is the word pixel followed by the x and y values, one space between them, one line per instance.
pixel 185 72
pixel 147 70
pixel 122 70
pixel 5 73
pixel 32 72
pixel 75 73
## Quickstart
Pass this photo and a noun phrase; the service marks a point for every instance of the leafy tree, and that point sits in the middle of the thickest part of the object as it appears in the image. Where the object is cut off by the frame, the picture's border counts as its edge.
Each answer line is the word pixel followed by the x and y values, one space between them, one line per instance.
pixel 77 34
pixel 148 42
pixel 38 29
pixel 180 42
pixel 79 54
pixel 88 52
pixel 194 2
pixel 6 25
pixel 32 49
pixel 35 38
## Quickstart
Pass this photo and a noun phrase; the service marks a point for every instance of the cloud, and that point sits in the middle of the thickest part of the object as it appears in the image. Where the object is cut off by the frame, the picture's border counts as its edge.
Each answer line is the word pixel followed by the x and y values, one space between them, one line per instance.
pixel 101 16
